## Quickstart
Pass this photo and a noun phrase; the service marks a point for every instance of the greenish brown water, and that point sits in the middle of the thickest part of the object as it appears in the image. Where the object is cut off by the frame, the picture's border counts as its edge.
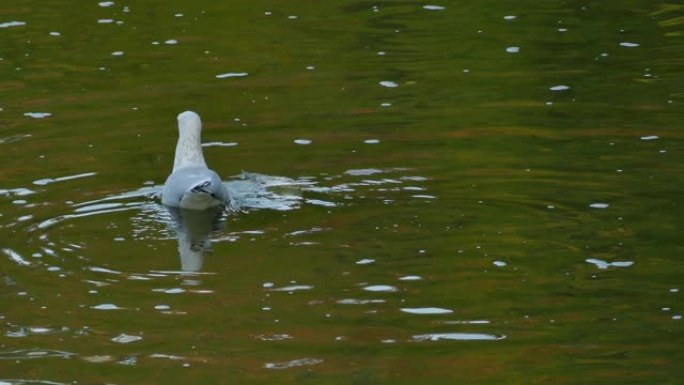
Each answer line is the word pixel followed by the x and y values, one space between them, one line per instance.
pixel 492 192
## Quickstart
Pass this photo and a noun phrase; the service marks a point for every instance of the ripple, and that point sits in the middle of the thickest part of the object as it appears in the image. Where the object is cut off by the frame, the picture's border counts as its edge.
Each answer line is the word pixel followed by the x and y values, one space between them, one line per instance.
pixel 126 338
pixel 232 75
pixel 389 84
pixel 38 115
pixel 45 181
pixel 16 257
pixel 434 7
pixel 293 363
pixel 426 310
pixel 12 24
pixel 456 337
pixel 107 306
pixel 601 264
pixel 29 354
pixel 410 278
pixel 293 288
pixel 354 301
pixel 380 288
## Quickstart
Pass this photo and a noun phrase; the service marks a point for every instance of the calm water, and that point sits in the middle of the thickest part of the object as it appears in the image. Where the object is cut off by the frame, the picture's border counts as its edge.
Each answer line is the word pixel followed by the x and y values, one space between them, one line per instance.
pixel 435 193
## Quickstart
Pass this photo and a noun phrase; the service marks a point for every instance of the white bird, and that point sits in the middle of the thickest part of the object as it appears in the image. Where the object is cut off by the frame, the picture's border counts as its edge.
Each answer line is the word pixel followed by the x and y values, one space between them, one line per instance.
pixel 192 185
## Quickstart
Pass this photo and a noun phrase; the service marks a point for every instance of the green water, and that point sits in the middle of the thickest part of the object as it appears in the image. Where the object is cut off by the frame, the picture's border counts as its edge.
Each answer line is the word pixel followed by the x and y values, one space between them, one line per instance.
pixel 491 192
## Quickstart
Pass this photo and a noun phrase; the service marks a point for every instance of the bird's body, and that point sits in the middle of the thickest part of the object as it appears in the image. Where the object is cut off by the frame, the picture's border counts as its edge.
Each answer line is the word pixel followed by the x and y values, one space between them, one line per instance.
pixel 192 185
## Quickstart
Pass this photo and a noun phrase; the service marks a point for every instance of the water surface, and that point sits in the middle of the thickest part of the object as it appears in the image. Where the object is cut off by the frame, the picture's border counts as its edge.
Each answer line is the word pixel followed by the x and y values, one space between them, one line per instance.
pixel 431 193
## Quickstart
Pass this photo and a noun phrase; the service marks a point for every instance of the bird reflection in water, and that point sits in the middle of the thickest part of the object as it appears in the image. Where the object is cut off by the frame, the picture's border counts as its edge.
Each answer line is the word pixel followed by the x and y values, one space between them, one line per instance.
pixel 193 230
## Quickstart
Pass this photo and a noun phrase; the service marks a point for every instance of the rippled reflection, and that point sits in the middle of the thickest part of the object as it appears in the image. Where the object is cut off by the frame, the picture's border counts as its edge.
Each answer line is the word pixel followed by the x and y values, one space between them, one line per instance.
pixel 193 229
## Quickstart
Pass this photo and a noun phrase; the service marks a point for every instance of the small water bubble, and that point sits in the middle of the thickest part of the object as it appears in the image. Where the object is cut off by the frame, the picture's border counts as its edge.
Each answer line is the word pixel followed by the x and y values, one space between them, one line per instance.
pixel 381 53
pixel 117 53
pixel 178 15
pixel 302 142
pixel 499 263
pixel 599 205
pixel 560 87
pixel 171 42
pixel 649 137
pixel 629 44
pixel 105 4
pixel 510 17
pixel 513 49
pixel 55 33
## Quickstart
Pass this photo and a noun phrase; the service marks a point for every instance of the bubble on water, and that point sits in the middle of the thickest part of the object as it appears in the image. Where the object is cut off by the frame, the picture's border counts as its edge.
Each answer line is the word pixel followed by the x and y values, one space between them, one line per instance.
pixel 389 84
pixel 117 53
pixel 105 21
pixel 499 263
pixel 107 306
pixel 365 261
pixel 162 307
pixel 302 142
pixel 171 42
pixel 385 104
pixel 599 205
pixel 513 49
pixel 426 310
pixel 510 17
pixel 560 87
pixel 434 7
pixel 629 44
pixel 649 137
pixel 105 4
pixel 55 33
pixel 178 15
pixel 371 141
